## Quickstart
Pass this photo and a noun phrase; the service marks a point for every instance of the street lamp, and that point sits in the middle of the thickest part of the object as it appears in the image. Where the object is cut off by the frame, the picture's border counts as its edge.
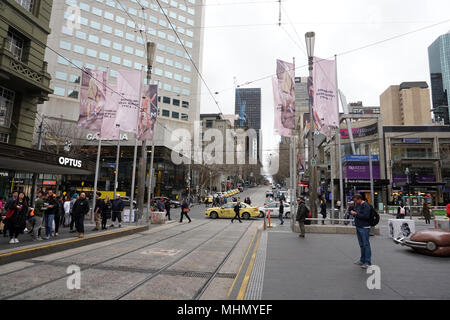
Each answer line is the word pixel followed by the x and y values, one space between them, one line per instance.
pixel 310 38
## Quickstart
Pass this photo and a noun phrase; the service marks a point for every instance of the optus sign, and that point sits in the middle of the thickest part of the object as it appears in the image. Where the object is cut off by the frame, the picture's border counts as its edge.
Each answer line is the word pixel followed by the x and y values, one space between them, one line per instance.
pixel 70 162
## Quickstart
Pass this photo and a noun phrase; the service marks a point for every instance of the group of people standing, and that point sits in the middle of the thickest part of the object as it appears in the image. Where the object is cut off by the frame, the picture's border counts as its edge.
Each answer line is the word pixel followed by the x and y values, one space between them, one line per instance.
pixel 107 209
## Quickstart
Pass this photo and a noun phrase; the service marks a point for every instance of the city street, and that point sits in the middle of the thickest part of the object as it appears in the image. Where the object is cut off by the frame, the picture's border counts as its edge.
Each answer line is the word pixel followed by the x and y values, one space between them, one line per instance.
pixel 214 259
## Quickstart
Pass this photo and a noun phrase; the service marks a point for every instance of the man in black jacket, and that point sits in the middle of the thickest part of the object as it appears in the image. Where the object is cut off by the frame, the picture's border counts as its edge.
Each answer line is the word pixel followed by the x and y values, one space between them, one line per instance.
pixel 79 210
pixel 237 209
pixel 184 210
pixel 362 217
pixel 302 211
pixel 167 207
pixel 117 209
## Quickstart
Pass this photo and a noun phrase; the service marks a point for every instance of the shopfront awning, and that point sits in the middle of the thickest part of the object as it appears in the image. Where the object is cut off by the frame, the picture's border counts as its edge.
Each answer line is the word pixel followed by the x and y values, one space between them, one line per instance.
pixel 20 159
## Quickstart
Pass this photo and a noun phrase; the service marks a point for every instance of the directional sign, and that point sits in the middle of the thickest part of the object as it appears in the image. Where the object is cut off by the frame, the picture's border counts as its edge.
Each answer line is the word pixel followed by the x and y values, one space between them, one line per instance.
pixel 313 162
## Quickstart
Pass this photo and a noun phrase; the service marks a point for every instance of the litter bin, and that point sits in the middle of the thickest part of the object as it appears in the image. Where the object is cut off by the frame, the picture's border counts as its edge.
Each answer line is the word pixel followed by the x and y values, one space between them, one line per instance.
pixel 158 217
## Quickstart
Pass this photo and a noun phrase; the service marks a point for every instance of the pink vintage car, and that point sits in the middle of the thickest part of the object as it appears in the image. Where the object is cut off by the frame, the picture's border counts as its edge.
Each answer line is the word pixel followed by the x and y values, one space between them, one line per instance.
pixel 434 242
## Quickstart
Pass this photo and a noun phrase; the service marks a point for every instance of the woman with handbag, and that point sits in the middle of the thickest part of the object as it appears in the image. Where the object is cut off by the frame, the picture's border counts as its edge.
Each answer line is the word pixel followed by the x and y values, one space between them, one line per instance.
pixel 184 210
pixel 16 218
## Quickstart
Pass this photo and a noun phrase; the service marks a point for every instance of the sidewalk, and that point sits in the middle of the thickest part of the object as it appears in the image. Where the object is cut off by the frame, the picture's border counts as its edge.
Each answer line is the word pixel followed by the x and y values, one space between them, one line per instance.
pixel 320 267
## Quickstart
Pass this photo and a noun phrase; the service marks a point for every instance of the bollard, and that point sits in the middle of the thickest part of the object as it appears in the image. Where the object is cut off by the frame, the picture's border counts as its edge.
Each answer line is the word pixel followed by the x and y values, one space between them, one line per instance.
pixel 269 220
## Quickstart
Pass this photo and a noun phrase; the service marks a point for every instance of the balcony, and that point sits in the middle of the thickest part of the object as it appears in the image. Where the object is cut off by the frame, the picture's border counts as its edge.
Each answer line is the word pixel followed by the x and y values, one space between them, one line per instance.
pixel 21 77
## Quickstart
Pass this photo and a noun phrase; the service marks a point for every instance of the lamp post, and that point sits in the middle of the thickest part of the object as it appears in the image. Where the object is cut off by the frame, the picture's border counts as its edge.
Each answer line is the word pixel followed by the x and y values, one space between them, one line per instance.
pixel 310 38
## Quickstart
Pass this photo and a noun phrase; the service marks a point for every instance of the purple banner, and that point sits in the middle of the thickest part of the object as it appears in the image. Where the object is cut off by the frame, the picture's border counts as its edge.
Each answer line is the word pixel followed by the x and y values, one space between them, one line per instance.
pixel 361 171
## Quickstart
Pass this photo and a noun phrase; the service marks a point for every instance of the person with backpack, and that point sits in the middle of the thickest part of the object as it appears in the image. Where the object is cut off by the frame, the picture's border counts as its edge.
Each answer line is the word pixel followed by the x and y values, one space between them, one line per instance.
pixel 362 215
pixel 302 212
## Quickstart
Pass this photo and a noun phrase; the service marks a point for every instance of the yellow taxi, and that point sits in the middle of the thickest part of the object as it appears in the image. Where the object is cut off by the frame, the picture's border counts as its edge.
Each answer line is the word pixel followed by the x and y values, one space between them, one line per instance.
pixel 227 211
pixel 208 199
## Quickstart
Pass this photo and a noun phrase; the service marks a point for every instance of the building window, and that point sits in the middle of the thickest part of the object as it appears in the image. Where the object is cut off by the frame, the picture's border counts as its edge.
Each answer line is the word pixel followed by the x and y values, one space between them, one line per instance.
pixel 80 35
pixel 129 50
pixel 72 94
pixel 177 77
pixel 74 78
pixel 97 11
pixel 176 102
pixel 175 115
pixel 63 61
pixel 167 87
pixel 78 49
pixel 115 59
pixel 95 25
pixel 61 75
pixel 91 53
pixel 186 80
pixel 65 45
pixel 118 33
pixel 186 92
pixel 169 62
pixel 185 104
pixel 139 53
pixel 117 46
pixel 209 123
pixel 170 50
pixel 184 117
pixel 176 89
pixel 4 137
pixel 127 63
pixel 104 56
pixel 129 36
pixel 161 34
pixel 6 106
pixel 168 74
pixel 109 15
pixel 78 63
pixel 59 91
pixel 166 113
pixel 106 43
pixel 166 100
pixel 120 20
pixel 107 28
pixel 27 4
pixel 93 39
pixel 89 66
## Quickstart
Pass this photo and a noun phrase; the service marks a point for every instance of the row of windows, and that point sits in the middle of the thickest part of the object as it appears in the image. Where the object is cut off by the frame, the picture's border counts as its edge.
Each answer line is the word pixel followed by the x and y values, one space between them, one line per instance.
pixel 175 102
pixel 175 115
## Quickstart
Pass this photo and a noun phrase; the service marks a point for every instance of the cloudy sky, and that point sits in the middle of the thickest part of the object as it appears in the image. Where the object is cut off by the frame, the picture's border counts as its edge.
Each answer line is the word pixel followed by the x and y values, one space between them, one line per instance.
pixel 243 40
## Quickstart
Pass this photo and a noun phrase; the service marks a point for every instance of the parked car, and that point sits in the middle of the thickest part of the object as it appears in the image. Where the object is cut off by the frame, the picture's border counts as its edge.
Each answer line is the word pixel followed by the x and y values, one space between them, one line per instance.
pixel 173 203
pixel 435 242
pixel 274 208
pixel 227 211
pixel 126 202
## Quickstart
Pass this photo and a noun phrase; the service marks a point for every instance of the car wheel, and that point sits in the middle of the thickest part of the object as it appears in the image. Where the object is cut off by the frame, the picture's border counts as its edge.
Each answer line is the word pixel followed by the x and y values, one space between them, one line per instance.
pixel 214 215
pixel 261 214
pixel 246 216
pixel 431 246
pixel 288 215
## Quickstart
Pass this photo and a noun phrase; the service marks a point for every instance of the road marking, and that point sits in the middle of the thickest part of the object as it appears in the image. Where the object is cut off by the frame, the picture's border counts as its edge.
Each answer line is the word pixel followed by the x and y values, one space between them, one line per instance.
pixel 244 285
pixel 242 264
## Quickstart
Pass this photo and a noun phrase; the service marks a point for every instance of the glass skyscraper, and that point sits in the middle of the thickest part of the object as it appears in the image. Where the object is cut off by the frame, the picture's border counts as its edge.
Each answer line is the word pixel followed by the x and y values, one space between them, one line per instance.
pixel 439 60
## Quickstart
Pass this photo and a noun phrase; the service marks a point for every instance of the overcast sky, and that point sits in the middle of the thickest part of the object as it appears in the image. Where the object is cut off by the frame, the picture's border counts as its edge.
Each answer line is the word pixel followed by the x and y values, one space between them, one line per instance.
pixel 243 40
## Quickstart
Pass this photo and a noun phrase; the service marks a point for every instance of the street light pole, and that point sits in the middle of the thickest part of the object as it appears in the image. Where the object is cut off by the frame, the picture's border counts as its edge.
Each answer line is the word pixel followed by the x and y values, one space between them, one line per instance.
pixel 310 40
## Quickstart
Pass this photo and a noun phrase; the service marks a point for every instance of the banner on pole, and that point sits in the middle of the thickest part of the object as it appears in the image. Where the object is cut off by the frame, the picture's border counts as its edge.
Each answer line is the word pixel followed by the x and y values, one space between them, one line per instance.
pixel 128 85
pixel 279 128
pixel 286 89
pixel 92 99
pixel 149 112
pixel 109 129
pixel 325 111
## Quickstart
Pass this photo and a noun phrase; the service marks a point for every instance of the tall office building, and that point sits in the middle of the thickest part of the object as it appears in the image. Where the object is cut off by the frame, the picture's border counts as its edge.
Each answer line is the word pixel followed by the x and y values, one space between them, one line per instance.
pixel 439 61
pixel 407 104
pixel 111 36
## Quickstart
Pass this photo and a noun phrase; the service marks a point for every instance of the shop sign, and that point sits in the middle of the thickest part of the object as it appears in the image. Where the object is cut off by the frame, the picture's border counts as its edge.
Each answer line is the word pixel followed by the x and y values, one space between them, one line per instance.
pixel 411 140
pixel 70 162
pixel 49 183
pixel 95 136
pixel 4 174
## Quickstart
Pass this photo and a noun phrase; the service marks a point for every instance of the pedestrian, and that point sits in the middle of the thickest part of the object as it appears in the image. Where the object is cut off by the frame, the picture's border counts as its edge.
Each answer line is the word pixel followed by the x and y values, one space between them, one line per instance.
pixel 167 207
pixel 51 206
pixel 36 220
pixel 99 204
pixel 75 197
pixel 323 209
pixel 106 212
pixel 281 212
pixel 362 217
pixel 184 210
pixel 426 212
pixel 302 212
pixel 67 216
pixel 59 215
pixel 237 210
pixel 401 211
pixel 79 210
pixel 16 217
pixel 160 205
pixel 117 210
pixel 9 204
pixel 448 213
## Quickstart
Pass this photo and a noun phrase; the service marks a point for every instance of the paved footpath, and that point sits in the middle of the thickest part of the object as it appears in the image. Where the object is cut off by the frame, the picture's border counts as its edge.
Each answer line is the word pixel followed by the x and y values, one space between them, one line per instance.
pixel 321 267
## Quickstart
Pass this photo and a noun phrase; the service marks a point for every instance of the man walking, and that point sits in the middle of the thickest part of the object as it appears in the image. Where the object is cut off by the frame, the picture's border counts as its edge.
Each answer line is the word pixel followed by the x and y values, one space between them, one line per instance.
pixel 79 210
pixel 99 204
pixel 302 211
pixel 117 210
pixel 184 210
pixel 167 207
pixel 281 212
pixel 362 216
pixel 237 209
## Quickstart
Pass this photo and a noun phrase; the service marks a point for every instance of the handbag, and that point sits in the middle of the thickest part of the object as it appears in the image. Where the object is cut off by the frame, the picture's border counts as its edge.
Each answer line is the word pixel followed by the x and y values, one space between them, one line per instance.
pixel 186 210
pixel 9 213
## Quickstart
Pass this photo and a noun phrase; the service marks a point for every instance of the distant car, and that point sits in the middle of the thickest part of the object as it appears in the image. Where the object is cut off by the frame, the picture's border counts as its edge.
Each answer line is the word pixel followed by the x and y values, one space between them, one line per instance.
pixel 435 242
pixel 173 203
pixel 269 194
pixel 126 202
pixel 227 211
pixel 274 208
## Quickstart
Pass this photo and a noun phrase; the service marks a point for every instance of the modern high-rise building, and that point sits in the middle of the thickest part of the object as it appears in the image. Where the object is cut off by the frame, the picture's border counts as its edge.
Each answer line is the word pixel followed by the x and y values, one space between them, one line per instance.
pixel 439 61
pixel 407 104
pixel 111 35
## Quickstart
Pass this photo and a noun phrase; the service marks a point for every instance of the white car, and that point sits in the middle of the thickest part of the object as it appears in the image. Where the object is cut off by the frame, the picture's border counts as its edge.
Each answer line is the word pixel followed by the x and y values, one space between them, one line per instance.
pixel 274 208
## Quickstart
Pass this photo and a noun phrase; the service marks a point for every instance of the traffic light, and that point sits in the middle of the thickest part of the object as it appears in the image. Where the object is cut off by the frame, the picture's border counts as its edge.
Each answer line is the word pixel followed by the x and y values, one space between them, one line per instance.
pixel 187 189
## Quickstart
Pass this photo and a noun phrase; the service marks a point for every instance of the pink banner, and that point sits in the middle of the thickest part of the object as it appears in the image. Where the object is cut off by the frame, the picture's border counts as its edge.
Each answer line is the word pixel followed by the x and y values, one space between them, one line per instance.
pixel 325 107
pixel 279 128
pixel 286 89
pixel 109 129
pixel 92 99
pixel 128 85
pixel 149 112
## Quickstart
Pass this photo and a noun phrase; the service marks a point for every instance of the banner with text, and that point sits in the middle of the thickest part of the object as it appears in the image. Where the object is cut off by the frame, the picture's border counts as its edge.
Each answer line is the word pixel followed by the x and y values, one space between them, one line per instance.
pixel 278 127
pixel 128 85
pixel 149 112
pixel 325 107
pixel 286 89
pixel 92 99
pixel 109 129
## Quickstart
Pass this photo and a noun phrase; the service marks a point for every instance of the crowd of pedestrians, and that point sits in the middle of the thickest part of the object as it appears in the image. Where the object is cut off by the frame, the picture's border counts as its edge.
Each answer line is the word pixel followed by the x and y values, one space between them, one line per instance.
pixel 52 212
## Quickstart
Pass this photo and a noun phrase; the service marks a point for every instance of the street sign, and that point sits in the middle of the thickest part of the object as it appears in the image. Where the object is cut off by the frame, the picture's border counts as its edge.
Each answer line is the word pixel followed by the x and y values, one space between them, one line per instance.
pixel 313 162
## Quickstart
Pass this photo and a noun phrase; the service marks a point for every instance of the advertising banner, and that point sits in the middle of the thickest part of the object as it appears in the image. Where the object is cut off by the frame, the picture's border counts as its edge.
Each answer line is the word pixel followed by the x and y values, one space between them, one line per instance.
pixel 285 102
pixel 360 132
pixel 149 112
pixel 279 128
pixel 128 85
pixel 109 129
pixel 92 99
pixel 325 106
pixel 361 171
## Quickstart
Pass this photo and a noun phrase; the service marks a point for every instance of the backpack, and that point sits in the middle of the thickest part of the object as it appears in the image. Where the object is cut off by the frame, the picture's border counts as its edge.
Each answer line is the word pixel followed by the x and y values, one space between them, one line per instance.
pixel 374 217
